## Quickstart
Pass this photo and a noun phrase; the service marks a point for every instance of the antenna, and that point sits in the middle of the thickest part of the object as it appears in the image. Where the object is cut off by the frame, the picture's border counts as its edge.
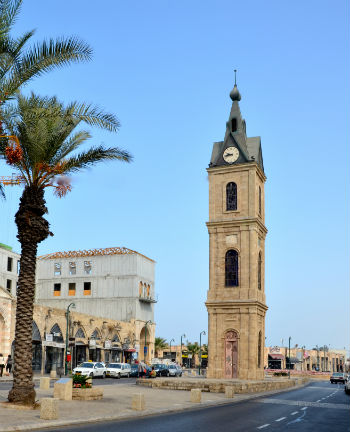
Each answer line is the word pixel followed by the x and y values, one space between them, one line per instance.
pixel 235 75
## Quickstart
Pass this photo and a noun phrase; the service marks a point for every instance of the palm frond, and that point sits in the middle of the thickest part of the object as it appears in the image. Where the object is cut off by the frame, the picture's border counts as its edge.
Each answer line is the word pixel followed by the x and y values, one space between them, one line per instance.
pixel 9 10
pixel 93 116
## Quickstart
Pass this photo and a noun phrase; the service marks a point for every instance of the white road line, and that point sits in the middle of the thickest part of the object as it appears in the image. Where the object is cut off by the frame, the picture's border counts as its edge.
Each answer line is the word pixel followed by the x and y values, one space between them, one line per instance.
pixel 264 426
pixel 280 419
pixel 305 408
pixel 319 400
pixel 295 412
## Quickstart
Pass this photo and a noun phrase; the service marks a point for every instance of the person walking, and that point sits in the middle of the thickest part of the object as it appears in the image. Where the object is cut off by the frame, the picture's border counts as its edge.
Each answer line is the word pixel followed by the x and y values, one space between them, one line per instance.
pixel 2 364
pixel 9 363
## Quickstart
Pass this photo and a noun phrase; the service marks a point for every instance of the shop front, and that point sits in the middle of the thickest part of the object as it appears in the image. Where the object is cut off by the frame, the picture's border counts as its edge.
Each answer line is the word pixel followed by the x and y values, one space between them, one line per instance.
pixel 54 349
pixel 94 351
pixel 36 348
pixel 79 353
pixel 275 361
pixel 112 352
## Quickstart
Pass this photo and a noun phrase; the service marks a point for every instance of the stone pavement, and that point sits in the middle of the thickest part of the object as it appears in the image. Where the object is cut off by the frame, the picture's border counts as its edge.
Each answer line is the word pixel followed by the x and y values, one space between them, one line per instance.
pixel 116 404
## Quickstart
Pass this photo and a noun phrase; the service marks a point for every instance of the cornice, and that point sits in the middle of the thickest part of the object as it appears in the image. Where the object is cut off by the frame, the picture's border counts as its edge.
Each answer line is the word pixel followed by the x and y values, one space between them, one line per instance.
pixel 239 167
pixel 235 303
pixel 237 222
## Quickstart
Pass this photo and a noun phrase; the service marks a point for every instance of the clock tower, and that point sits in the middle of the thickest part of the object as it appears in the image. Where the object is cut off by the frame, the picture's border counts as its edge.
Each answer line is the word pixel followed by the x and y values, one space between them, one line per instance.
pixel 236 296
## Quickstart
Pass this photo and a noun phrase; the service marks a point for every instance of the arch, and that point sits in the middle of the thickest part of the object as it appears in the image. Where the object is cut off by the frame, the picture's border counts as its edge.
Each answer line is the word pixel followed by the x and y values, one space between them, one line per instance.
pixel 116 338
pixel 231 354
pixel 140 289
pixel 144 294
pixel 148 290
pixel 36 333
pixel 259 349
pixel 80 333
pixel 95 334
pixel 231 268
pixel 231 196
pixel 259 270
pixel 57 333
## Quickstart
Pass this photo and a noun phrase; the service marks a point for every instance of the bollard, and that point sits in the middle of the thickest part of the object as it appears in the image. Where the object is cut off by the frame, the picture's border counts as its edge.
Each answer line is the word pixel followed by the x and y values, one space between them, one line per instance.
pixel 229 391
pixel 49 409
pixel 196 395
pixel 44 383
pixel 53 374
pixel 138 402
pixel 63 388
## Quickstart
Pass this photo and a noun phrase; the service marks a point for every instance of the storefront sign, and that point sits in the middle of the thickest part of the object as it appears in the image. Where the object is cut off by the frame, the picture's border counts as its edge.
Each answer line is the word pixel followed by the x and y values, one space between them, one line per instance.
pixel 49 337
pixel 108 344
pixel 275 350
pixel 92 343
pixel 54 344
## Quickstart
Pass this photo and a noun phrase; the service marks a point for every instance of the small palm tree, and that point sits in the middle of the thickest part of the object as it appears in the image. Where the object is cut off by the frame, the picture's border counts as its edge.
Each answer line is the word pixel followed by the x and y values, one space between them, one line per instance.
pixel 159 345
pixel 19 64
pixel 46 137
pixel 193 348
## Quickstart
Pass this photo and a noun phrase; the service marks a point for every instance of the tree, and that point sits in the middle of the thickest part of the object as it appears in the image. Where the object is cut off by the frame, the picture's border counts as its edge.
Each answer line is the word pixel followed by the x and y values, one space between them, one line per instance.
pixel 159 345
pixel 19 64
pixel 44 153
pixel 193 348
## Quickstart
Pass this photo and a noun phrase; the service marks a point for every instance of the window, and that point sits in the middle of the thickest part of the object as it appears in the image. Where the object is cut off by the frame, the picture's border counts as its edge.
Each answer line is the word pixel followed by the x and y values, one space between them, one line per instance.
pixel 9 264
pixel 259 200
pixel 72 268
pixel 259 350
pixel 80 333
pixel 57 289
pixel 140 289
pixel 87 267
pixel 234 124
pixel 8 285
pixel 231 196
pixel 87 288
pixel 148 290
pixel 259 271
pixel 231 268
pixel 71 289
pixel 57 269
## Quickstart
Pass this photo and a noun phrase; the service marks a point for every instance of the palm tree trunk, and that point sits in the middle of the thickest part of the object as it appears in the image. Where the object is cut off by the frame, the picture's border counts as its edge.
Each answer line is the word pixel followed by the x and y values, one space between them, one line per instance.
pixel 32 229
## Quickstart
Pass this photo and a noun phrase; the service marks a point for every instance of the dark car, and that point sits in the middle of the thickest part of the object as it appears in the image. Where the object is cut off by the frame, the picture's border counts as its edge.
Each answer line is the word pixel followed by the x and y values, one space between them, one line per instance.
pixel 161 370
pixel 134 370
pixel 338 377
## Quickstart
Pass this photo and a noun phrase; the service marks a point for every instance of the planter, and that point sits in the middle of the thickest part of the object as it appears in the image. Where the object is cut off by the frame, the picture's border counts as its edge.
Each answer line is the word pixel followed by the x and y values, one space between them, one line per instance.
pixel 93 393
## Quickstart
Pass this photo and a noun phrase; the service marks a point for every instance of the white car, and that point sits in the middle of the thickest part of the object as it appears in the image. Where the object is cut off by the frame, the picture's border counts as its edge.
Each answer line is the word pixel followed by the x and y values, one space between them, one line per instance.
pixel 93 369
pixel 117 370
pixel 175 370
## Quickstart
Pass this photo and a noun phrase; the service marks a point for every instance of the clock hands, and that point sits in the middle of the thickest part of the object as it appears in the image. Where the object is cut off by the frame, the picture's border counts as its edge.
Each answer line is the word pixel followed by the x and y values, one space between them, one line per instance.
pixel 228 154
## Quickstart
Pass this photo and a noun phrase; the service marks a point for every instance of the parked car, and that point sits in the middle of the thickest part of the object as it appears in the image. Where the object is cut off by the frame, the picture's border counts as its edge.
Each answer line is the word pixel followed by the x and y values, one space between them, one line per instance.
pixel 118 370
pixel 175 370
pixel 161 369
pixel 338 377
pixel 93 369
pixel 134 370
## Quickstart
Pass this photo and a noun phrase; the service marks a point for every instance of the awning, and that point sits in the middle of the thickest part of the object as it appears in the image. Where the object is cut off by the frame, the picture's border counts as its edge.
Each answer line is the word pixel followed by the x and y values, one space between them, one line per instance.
pixel 295 360
pixel 276 356
pixel 130 350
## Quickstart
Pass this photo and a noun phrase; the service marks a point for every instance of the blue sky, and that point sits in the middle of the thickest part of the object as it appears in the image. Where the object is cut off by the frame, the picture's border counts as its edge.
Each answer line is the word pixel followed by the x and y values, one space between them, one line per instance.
pixel 166 69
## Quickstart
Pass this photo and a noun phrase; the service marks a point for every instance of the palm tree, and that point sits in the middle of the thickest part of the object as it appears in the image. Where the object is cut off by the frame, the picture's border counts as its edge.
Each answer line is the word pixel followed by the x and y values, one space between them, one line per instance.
pixel 47 137
pixel 159 345
pixel 19 63
pixel 193 348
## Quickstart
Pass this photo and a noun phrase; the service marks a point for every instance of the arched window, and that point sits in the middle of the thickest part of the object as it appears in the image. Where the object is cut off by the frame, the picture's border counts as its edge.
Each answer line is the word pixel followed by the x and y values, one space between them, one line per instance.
pixel 35 332
pixel 259 350
pixel 148 290
pixel 80 333
pixel 231 196
pixel 140 289
pixel 144 290
pixel 116 338
pixel 231 268
pixel 259 271
pixel 57 333
pixel 95 335
pixel 259 200
pixel 234 124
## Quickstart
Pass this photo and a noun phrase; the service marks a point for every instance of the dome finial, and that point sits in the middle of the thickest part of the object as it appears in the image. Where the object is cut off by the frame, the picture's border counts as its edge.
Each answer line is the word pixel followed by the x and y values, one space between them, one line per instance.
pixel 235 94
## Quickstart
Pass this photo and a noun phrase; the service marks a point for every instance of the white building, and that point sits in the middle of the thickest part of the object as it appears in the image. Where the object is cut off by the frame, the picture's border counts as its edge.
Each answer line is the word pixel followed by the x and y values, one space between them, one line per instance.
pixel 9 267
pixel 115 283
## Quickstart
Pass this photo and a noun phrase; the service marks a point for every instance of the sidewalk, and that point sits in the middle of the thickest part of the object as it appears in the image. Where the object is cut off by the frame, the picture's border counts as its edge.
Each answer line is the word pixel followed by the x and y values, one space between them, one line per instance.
pixel 115 405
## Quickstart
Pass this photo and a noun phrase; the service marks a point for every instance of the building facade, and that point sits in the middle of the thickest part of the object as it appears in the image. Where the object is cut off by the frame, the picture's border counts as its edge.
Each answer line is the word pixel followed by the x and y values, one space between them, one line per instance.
pixel 236 296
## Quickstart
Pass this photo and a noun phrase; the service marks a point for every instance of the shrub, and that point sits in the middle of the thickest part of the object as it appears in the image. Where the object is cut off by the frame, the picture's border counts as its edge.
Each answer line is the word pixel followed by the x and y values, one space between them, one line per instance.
pixel 80 381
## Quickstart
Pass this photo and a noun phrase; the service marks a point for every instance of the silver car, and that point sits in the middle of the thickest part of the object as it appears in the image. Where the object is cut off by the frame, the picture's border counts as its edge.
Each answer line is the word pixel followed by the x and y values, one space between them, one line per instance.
pixel 175 370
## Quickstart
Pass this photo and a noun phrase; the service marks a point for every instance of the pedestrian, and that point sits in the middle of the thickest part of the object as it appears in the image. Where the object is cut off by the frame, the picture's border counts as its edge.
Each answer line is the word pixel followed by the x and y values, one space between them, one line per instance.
pixel 139 370
pixel 9 364
pixel 2 364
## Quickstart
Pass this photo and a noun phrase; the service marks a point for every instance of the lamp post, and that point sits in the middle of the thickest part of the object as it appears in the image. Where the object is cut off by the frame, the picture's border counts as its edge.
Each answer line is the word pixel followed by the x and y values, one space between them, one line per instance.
pixel 145 347
pixel 171 340
pixel 200 349
pixel 71 305
pixel 182 336
pixel 289 356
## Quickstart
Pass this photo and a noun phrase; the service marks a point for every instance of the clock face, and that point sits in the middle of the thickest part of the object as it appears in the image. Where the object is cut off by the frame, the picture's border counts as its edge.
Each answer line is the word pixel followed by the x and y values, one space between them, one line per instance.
pixel 230 155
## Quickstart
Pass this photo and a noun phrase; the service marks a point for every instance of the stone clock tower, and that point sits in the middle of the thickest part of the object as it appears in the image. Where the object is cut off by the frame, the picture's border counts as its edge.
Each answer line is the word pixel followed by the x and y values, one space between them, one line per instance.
pixel 236 297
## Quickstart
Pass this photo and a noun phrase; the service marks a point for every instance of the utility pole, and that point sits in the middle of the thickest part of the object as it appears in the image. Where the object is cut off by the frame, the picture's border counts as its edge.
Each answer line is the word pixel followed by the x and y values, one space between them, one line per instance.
pixel 72 305
pixel 183 336
pixel 200 350
pixel 289 356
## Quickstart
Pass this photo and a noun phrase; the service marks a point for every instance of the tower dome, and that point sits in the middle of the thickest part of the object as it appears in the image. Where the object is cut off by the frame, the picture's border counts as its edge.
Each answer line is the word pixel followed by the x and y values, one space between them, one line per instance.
pixel 235 95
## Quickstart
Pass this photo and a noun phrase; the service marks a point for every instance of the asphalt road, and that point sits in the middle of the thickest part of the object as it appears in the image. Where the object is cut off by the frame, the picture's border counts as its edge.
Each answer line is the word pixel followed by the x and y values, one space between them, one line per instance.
pixel 319 407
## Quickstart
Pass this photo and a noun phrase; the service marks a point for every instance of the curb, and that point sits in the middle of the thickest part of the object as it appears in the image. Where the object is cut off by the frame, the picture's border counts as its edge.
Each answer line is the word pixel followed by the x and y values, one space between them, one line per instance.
pixel 146 413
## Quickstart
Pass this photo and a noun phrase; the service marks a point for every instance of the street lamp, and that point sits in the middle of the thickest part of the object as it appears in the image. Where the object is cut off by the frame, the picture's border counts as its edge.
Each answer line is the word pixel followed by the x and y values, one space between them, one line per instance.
pixel 145 347
pixel 182 336
pixel 289 356
pixel 71 305
pixel 200 349
pixel 172 340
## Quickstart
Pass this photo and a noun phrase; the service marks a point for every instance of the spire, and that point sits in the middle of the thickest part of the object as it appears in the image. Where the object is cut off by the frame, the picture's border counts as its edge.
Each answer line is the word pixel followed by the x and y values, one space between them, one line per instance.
pixel 235 94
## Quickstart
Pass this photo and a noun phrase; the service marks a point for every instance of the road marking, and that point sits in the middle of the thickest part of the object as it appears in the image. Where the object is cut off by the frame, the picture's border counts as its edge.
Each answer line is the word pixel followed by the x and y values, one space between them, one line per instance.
pixel 264 426
pixel 305 404
pixel 280 419
pixel 295 412
pixel 304 408
pixel 318 400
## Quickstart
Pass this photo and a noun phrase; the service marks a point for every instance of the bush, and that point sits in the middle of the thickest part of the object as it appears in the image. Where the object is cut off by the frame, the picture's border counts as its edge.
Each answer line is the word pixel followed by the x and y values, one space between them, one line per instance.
pixel 80 381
